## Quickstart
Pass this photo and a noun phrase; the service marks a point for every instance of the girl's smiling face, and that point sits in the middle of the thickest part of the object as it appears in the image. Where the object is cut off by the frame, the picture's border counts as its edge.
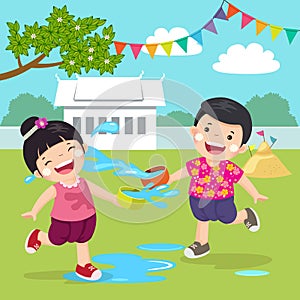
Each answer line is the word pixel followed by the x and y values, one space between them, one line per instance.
pixel 216 140
pixel 62 161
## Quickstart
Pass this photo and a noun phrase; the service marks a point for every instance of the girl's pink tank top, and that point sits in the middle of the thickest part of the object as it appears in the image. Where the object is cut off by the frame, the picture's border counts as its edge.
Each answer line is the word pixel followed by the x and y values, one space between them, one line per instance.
pixel 73 203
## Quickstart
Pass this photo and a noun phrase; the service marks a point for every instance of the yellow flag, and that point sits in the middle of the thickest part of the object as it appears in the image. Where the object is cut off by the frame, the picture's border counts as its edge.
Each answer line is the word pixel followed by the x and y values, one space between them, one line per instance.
pixel 275 30
pixel 167 47
pixel 252 147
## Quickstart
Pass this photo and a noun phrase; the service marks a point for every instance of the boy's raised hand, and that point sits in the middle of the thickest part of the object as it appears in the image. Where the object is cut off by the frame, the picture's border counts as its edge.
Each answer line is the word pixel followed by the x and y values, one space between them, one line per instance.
pixel 260 197
pixel 29 214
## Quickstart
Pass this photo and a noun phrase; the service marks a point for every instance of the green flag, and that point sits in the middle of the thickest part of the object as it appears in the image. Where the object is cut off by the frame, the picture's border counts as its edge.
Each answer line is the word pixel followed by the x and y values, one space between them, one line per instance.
pixel 290 33
pixel 183 43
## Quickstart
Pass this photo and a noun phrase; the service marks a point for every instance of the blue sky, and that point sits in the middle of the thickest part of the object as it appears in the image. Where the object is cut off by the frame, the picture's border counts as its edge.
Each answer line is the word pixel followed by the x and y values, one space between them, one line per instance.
pixel 134 22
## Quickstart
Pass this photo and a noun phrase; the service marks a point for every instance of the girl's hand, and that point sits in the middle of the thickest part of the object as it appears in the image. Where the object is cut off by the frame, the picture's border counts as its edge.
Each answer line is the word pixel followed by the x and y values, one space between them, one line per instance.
pixel 29 214
pixel 260 197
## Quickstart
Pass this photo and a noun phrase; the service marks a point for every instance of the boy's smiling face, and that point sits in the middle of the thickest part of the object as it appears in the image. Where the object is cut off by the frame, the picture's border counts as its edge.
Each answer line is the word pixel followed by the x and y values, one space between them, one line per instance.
pixel 61 162
pixel 216 140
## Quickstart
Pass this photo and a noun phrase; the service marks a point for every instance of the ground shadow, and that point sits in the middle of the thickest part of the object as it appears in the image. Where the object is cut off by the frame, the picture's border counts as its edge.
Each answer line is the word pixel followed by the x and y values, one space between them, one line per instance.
pixel 47 275
pixel 59 275
pixel 230 260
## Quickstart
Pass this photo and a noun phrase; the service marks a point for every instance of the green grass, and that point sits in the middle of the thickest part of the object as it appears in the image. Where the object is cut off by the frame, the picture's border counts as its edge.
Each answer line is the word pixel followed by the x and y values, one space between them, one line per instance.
pixel 275 248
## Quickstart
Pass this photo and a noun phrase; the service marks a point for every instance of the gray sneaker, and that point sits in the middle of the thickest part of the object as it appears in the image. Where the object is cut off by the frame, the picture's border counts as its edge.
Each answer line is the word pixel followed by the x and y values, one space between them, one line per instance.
pixel 196 250
pixel 252 221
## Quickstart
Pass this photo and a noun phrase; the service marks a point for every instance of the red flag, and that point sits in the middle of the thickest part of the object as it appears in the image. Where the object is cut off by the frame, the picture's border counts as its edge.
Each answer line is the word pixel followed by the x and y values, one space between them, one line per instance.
pixel 232 10
pixel 246 19
pixel 261 133
pixel 136 49
pixel 119 47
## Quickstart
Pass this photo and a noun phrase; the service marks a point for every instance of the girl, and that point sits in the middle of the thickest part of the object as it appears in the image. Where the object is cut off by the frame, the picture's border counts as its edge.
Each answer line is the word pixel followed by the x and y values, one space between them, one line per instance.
pixel 54 151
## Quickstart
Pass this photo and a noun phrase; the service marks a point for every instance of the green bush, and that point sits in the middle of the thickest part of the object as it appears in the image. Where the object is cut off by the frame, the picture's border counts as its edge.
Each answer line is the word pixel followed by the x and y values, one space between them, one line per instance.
pixel 27 105
pixel 270 110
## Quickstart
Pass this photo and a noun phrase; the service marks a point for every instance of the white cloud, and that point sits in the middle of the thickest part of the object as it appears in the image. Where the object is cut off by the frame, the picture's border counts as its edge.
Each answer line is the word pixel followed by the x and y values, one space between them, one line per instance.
pixel 250 60
pixel 163 35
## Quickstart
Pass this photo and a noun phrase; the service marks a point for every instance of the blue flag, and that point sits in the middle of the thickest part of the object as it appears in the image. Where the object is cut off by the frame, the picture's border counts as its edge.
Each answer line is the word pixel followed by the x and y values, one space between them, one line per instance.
pixel 273 140
pixel 197 36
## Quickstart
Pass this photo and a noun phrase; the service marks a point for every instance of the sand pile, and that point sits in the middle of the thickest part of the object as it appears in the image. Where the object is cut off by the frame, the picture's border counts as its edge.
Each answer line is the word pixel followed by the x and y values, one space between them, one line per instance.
pixel 265 164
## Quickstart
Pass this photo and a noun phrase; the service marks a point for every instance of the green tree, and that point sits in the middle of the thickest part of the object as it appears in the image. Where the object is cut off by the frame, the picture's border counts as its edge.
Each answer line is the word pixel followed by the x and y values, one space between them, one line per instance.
pixel 79 48
pixel 26 105
pixel 270 110
pixel 175 118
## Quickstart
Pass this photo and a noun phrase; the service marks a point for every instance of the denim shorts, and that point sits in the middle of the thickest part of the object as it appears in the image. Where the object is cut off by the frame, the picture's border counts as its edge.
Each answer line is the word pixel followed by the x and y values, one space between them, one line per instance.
pixel 214 210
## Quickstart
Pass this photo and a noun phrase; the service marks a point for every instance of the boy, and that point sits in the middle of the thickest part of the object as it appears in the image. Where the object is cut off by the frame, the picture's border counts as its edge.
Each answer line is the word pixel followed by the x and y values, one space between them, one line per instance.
pixel 221 130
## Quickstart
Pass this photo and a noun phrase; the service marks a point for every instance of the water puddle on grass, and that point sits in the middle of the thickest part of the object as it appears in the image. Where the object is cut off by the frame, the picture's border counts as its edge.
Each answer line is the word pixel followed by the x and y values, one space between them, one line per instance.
pixel 128 268
pixel 252 273
pixel 161 247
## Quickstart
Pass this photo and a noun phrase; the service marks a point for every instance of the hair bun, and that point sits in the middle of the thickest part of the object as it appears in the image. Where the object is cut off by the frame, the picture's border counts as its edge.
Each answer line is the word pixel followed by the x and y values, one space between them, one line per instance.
pixel 27 125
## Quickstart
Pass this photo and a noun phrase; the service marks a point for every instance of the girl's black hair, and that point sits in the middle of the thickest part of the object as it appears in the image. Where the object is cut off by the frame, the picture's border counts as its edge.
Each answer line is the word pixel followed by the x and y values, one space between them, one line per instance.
pixel 227 111
pixel 54 133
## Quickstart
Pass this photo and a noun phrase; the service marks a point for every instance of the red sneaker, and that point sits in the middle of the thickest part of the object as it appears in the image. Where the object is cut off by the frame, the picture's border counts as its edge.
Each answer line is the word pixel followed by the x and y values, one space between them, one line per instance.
pixel 88 272
pixel 32 244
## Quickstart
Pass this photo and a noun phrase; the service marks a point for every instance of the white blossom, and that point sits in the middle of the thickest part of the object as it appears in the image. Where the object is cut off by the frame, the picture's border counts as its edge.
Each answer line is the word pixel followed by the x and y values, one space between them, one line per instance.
pixel 90 58
pixel 106 37
pixel 91 50
pixel 72 62
pixel 106 61
pixel 59 19
pixel 33 36
pixel 77 27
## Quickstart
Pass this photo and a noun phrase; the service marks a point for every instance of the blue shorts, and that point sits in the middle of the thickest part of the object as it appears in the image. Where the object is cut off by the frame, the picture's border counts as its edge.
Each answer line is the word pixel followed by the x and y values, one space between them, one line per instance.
pixel 214 210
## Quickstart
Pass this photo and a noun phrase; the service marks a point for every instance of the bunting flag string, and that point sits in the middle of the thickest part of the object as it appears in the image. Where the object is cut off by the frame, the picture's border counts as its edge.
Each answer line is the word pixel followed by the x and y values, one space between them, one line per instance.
pixel 210 26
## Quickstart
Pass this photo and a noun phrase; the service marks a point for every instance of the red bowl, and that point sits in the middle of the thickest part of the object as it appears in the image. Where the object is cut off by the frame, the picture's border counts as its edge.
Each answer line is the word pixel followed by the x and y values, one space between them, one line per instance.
pixel 162 178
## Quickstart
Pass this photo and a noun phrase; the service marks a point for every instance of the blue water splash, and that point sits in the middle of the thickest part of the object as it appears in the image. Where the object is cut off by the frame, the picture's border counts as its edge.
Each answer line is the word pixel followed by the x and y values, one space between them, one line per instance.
pixel 96 161
pixel 129 268
pixel 108 127
pixel 161 247
pixel 158 191
pixel 29 179
pixel 252 273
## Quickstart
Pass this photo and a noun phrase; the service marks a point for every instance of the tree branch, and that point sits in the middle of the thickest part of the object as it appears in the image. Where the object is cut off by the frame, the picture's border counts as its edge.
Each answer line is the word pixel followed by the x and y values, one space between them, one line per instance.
pixel 48 65
pixel 19 61
pixel 22 68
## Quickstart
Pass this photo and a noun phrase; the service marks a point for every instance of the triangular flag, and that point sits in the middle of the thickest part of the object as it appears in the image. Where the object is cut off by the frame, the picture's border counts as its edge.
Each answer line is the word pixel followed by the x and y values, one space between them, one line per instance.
pixel 119 47
pixel 210 26
pixel 261 133
pixel 252 147
pixel 260 26
pixel 183 43
pixel 167 47
pixel 290 33
pixel 246 19
pixel 232 10
pixel 220 14
pixel 273 140
pixel 275 30
pixel 136 49
pixel 151 49
pixel 198 37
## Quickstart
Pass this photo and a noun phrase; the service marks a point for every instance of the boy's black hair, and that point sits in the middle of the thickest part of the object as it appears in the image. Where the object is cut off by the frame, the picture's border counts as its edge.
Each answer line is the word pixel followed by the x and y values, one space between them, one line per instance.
pixel 42 139
pixel 227 111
